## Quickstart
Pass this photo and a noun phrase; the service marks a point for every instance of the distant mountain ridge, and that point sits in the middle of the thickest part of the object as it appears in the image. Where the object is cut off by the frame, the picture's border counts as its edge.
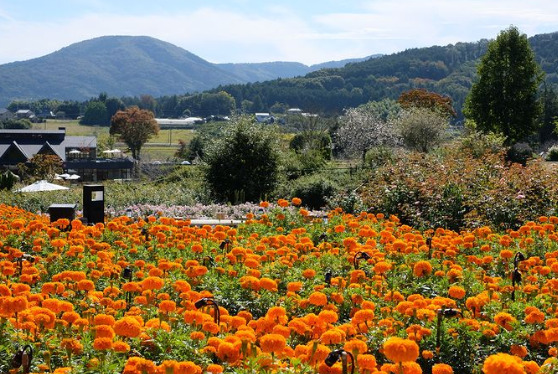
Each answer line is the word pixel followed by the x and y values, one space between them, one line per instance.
pixel 130 66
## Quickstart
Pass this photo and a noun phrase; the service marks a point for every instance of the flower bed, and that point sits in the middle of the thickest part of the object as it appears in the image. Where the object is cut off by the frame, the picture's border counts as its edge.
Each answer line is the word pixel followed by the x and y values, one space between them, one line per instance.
pixel 284 292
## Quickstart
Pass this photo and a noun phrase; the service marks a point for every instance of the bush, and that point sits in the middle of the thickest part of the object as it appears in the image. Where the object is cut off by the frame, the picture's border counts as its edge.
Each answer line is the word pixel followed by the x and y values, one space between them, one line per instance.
pixel 552 154
pixel 314 191
pixel 519 153
pixel 478 144
pixel 243 164
pixel 379 156
pixel 422 129
pixel 456 190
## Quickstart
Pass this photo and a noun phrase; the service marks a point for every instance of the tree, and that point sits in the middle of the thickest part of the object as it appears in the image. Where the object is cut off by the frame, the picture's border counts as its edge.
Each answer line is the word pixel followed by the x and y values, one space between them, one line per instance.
pixel 95 114
pixel 113 105
pixel 41 166
pixel 16 124
pixel 220 103
pixel 421 129
pixel 422 98
pixel 362 129
pixel 504 99
pixel 243 164
pixel 134 126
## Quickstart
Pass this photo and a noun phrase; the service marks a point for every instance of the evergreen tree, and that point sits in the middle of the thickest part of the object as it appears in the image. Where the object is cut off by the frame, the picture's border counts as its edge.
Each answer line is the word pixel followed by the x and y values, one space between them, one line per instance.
pixel 504 99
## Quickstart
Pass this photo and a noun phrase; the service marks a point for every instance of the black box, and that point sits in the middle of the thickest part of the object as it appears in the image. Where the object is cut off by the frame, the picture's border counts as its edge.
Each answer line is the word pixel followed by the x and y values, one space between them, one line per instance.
pixel 58 211
pixel 94 203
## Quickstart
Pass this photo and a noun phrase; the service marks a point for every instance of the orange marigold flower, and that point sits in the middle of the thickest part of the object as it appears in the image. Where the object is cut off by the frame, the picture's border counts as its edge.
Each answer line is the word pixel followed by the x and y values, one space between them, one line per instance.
pixel 309 273
pixel 197 335
pixel 188 367
pixel 400 350
pixel 264 204
pixel 103 319
pixel 296 201
pixel 531 367
pixel 536 316
pixel 518 350
pixel 333 336
pixel 152 283
pixel 228 352
pixel 442 369
pixel 339 228
pixel 214 369
pixel 317 298
pixel 427 355
pixel 120 346
pixel 283 203
pixel 268 284
pixel 72 345
pixel 366 362
pixel 273 343
pixel 382 267
pixel 456 292
pixel 422 268
pixel 127 326
pixel 503 363
pixel 102 344
pixel 355 346
pixel 167 306
pixel 504 320
pixel 104 331
pixel 294 286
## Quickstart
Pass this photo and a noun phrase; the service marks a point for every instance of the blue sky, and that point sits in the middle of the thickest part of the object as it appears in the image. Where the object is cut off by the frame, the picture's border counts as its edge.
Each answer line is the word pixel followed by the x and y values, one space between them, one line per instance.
pixel 307 31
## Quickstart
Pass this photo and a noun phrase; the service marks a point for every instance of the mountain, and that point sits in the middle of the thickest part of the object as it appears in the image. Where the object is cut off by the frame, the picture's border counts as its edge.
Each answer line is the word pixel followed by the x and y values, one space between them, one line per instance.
pixel 127 66
pixel 449 70
pixel 259 72
pixel 119 65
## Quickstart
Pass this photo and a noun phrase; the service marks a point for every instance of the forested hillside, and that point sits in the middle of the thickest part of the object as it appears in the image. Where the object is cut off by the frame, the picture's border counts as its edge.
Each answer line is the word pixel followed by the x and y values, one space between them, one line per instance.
pixel 448 70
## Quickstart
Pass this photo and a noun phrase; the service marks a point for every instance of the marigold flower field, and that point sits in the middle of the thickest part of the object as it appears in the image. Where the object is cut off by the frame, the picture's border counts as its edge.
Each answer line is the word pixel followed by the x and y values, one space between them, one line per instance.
pixel 284 292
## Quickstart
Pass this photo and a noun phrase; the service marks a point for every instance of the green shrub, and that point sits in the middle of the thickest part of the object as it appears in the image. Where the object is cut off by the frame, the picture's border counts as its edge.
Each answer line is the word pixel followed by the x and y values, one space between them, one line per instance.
pixel 477 143
pixel 552 154
pixel 243 164
pixel 379 156
pixel 314 190
pixel 519 153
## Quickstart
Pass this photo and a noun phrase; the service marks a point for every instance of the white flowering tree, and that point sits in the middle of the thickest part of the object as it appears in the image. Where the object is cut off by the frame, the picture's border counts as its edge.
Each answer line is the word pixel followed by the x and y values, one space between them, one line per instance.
pixel 362 129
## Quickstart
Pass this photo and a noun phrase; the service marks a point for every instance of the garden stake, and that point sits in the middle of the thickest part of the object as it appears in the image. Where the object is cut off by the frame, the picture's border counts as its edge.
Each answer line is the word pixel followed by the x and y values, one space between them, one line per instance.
pixel 328 276
pixel 127 274
pixel 209 301
pixel 429 244
pixel 225 244
pixel 359 256
pixel 334 356
pixel 208 261
pixel 441 314
pixel 22 358
pixel 19 261
pixel 145 233
pixel 516 274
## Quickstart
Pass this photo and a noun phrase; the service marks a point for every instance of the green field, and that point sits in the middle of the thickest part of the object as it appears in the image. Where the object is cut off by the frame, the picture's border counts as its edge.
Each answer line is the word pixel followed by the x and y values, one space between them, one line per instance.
pixel 160 147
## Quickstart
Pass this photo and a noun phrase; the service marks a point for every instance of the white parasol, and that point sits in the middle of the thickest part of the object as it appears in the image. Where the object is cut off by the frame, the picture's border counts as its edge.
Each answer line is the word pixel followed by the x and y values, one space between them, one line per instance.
pixel 40 186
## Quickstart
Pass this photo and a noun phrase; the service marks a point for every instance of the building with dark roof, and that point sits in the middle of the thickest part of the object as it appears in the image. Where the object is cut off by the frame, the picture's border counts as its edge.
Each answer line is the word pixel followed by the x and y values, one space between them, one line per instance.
pixel 77 153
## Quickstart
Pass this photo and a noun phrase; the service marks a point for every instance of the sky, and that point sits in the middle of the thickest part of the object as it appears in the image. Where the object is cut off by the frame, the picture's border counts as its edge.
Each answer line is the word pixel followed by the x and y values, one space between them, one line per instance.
pixel 306 31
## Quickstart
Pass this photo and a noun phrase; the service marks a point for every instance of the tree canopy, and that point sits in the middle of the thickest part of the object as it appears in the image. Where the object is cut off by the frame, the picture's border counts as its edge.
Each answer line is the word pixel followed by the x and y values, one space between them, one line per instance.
pixel 134 126
pixel 243 164
pixel 421 98
pixel 504 99
pixel 362 129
